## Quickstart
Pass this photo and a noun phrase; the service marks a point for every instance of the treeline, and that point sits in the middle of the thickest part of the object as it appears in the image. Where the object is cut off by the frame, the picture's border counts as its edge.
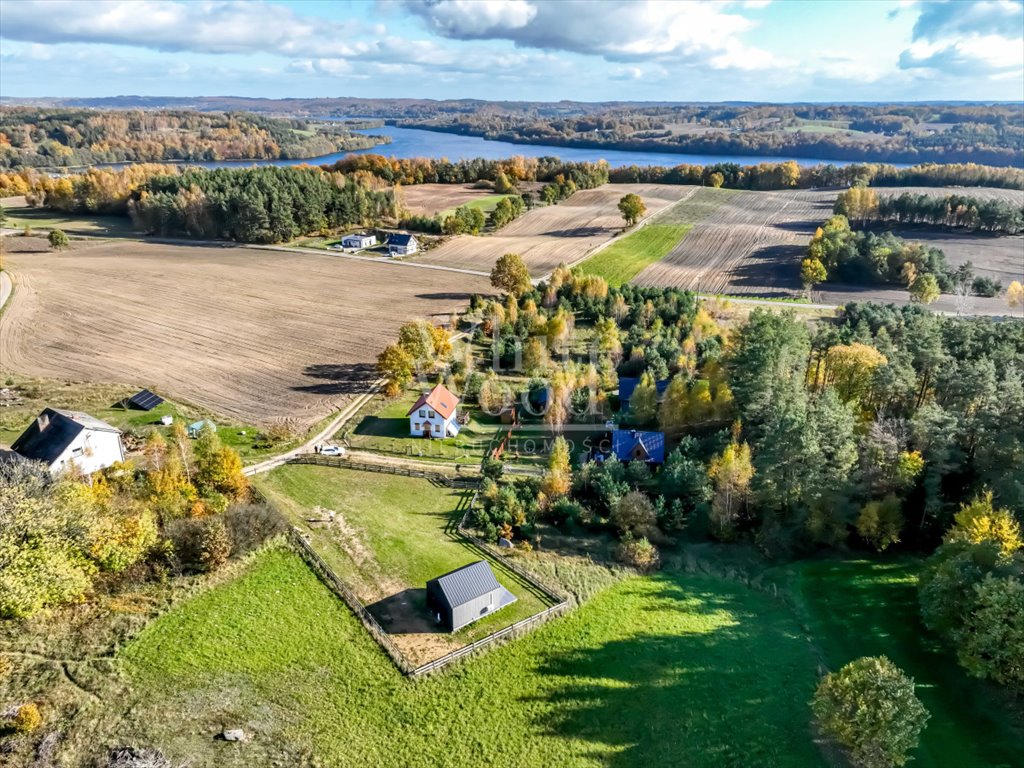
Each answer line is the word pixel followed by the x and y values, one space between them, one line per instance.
pixel 255 205
pixel 77 137
pixel 789 175
pixel 469 220
pixel 956 211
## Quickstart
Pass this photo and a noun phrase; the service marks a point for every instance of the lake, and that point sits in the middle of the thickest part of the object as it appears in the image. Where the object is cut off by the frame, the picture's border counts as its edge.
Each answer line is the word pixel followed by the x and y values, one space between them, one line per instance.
pixel 414 142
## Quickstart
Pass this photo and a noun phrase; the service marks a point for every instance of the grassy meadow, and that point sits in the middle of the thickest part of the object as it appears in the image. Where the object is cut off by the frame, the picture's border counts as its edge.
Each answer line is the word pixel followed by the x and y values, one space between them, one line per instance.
pixel 662 670
pixel 627 257
pixel 20 215
pixel 869 608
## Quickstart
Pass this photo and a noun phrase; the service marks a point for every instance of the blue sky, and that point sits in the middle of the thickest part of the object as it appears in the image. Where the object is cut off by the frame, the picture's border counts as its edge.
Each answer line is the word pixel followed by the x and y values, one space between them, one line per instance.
pixel 786 50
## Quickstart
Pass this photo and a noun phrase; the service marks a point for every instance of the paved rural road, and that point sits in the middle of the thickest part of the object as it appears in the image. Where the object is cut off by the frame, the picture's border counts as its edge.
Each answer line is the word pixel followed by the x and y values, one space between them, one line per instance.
pixel 322 436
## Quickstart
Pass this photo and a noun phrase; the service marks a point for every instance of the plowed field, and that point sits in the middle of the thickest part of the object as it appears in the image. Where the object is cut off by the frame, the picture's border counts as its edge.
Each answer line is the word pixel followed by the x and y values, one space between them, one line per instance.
pixel 261 336
pixel 548 236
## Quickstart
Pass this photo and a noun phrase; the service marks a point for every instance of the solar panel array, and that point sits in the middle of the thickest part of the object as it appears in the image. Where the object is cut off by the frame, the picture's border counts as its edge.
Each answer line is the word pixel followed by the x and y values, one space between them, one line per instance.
pixel 145 400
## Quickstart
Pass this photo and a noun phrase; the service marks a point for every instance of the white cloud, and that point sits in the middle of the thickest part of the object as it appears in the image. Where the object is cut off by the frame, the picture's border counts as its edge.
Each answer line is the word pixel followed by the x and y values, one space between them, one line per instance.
pixel 478 18
pixel 968 38
pixel 942 20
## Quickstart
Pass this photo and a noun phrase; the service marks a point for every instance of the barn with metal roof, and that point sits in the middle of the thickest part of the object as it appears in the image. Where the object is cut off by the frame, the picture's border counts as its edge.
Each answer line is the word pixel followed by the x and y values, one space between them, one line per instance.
pixel 466 594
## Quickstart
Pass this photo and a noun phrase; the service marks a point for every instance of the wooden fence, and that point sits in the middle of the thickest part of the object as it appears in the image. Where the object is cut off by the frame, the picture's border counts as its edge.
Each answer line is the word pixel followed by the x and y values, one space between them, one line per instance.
pixel 468 482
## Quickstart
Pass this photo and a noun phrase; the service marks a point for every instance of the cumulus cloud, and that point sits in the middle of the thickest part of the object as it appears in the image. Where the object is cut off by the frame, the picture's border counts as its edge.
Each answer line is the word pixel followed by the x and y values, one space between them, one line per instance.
pixel 623 32
pixel 940 20
pixel 967 38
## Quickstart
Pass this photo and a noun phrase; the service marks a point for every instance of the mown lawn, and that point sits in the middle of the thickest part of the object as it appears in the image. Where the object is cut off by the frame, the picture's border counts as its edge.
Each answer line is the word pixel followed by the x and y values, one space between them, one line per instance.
pixel 869 608
pixel 392 534
pixel 626 258
pixel 82 224
pixel 669 670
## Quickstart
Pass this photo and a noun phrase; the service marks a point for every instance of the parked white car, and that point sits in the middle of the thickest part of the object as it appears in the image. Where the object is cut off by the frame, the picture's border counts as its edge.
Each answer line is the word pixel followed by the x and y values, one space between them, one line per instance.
pixel 332 450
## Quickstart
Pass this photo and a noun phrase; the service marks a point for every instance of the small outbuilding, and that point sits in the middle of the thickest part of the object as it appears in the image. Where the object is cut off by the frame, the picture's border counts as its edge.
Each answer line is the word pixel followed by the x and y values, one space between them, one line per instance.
pixel 402 245
pixel 358 241
pixel 196 427
pixel 637 445
pixel 465 595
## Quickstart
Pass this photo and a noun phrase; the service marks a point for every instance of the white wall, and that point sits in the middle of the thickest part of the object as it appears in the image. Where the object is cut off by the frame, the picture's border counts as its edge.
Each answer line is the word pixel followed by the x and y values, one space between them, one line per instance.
pixel 91 451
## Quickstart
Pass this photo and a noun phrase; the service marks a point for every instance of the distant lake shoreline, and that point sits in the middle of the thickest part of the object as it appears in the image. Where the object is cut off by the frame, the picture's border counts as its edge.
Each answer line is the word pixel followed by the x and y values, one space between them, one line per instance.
pixel 418 142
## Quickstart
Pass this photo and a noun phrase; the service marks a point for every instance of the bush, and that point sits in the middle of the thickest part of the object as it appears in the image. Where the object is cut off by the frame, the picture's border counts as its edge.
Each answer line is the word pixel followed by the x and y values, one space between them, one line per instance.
pixel 58 240
pixel 987 287
pixel 869 706
pixel 250 525
pixel 638 553
pixel 28 719
pixel 214 545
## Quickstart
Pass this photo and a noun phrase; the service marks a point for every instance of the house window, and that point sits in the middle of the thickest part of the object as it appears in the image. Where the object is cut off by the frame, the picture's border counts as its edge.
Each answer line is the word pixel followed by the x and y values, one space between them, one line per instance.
pixel 430 414
pixel 416 426
pixel 437 427
pixel 422 412
pixel 77 451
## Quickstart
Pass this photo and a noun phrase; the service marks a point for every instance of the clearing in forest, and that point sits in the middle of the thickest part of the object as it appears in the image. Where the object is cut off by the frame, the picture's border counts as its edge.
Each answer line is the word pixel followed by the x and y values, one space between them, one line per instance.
pixel 261 336
pixel 431 199
pixel 553 234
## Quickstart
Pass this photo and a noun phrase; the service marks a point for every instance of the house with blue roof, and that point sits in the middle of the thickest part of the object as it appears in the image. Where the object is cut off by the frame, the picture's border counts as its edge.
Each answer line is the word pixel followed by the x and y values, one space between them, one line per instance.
pixel 638 445
pixel 628 384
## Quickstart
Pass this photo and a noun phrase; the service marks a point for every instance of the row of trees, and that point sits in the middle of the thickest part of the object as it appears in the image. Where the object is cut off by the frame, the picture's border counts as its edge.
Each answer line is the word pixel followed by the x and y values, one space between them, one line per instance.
pixel 960 211
pixel 174 510
pixel 31 137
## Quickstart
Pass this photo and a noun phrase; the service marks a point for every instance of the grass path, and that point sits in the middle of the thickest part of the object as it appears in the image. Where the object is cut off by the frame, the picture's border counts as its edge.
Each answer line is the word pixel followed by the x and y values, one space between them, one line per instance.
pixel 665 670
pixel 626 258
pixel 869 608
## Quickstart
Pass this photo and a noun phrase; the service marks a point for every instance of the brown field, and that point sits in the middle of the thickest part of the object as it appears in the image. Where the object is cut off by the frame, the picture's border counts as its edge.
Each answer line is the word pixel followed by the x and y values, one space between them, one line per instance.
pixel 548 236
pixel 429 199
pixel 980 193
pixel 1001 258
pixel 750 243
pixel 261 336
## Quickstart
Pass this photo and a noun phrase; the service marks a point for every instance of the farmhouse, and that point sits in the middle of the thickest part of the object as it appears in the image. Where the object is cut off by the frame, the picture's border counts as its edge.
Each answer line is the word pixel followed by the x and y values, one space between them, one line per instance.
pixel 435 414
pixel 402 245
pixel 627 385
pixel 358 241
pixel 636 445
pixel 62 438
pixel 466 594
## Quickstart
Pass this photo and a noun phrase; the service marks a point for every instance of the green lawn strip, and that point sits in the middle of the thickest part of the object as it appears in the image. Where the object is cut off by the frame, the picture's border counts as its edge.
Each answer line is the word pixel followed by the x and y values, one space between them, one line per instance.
pixel 486 203
pixel 399 533
pixel 626 258
pixel 664 670
pixel 869 608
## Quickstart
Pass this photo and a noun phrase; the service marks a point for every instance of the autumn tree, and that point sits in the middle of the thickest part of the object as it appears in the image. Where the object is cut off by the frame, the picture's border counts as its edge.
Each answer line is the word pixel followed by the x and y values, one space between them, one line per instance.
pixel 812 272
pixel 558 479
pixel 511 275
pixel 214 545
pixel 218 467
pixel 879 523
pixel 396 367
pixel 857 204
pixel 632 208
pixel 731 473
pixel 58 240
pixel 675 406
pixel 870 707
pixel 1015 295
pixel 633 513
pixel 924 289
pixel 643 403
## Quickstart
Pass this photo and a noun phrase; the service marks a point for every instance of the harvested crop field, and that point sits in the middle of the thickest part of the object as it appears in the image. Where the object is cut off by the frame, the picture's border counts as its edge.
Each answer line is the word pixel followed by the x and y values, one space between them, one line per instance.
pixel 263 336
pixel 429 199
pixel 1001 258
pixel 545 237
pixel 749 242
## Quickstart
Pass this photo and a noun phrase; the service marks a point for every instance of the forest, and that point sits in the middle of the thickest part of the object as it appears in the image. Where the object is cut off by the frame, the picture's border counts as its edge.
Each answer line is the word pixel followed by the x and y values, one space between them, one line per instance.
pixel 956 211
pixel 78 137
pixel 887 429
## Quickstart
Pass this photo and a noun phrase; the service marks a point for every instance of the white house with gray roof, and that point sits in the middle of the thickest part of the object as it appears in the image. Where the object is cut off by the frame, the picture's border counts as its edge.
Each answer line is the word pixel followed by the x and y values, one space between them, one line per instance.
pixel 61 439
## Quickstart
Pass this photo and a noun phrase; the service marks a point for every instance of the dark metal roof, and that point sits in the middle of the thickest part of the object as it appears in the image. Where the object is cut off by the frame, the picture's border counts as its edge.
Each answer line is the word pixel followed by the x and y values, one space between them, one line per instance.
pixel 627 385
pixel 59 429
pixel 467 583
pixel 400 239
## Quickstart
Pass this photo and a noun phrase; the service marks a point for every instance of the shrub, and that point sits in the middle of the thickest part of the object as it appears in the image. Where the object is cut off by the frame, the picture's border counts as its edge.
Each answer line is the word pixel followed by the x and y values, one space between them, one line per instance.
pixel 634 513
pixel 249 525
pixel 58 240
pixel 27 719
pixel 214 545
pixel 991 643
pixel 638 553
pixel 869 706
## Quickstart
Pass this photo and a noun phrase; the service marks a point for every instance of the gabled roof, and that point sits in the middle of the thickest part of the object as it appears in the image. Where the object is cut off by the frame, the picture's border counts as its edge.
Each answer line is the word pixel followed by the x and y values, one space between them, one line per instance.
pixel 440 399
pixel 628 384
pixel 61 428
pixel 625 443
pixel 467 583
pixel 400 239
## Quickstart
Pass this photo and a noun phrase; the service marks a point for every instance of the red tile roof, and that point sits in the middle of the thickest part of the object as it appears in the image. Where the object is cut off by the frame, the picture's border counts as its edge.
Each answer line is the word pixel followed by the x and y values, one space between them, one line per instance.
pixel 440 399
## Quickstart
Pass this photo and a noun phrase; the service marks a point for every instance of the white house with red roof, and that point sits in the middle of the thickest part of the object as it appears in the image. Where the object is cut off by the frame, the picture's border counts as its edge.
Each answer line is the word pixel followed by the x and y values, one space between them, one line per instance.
pixel 435 414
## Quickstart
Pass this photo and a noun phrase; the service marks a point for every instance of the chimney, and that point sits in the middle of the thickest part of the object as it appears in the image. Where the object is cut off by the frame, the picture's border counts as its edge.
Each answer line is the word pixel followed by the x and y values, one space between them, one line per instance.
pixel 43 421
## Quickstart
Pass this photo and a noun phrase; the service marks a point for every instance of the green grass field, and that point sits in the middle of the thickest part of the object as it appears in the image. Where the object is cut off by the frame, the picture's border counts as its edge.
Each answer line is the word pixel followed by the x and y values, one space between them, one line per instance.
pixel 392 535
pixel 659 671
pixel 869 608
pixel 627 257
pixel 81 224
pixel 485 203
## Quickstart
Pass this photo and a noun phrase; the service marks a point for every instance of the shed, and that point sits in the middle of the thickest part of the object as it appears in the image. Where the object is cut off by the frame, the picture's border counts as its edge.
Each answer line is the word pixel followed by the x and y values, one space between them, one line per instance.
pixel 637 445
pixel 197 426
pixel 466 594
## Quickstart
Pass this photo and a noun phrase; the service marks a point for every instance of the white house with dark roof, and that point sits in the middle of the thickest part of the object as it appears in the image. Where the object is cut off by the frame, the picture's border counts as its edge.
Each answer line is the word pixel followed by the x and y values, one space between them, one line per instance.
pixel 402 245
pixel 61 439
pixel 435 414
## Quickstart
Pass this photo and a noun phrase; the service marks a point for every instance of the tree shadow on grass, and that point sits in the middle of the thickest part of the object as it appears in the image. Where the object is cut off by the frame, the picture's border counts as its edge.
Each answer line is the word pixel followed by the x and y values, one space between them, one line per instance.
pixel 338 378
pixel 731 692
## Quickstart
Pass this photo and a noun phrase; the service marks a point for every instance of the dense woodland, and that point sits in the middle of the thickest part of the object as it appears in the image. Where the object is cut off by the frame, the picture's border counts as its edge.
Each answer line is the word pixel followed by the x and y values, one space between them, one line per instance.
pixel 888 428
pixel 77 137
pixel 956 211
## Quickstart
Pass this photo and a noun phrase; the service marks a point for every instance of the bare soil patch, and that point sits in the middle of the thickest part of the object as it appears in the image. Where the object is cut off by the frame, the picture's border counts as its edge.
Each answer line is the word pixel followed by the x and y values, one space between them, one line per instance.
pixel 262 336
pixel 998 257
pixel 430 199
pixel 750 243
pixel 548 236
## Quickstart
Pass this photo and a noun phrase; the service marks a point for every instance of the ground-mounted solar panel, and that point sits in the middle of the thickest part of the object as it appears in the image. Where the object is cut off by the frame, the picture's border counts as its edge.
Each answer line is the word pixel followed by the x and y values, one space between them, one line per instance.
pixel 145 400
